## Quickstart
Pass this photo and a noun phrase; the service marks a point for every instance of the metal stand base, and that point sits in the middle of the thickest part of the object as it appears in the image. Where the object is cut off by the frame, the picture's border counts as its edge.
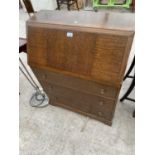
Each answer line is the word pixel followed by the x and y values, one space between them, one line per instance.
pixel 39 99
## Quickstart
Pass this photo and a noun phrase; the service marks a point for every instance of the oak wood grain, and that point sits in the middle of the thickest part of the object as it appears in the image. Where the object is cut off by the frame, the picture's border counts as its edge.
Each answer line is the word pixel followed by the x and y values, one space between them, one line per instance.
pixel 80 58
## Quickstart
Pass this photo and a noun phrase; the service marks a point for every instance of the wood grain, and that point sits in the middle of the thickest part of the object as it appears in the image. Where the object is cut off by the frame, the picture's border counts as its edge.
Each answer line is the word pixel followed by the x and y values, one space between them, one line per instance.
pixel 77 100
pixel 80 58
pixel 85 86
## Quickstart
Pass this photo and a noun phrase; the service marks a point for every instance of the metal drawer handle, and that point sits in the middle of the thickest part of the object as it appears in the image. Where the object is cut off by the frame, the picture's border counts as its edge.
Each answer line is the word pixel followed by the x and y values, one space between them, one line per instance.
pixel 44 76
pixel 100 114
pixel 51 87
pixel 55 98
pixel 102 91
pixel 101 103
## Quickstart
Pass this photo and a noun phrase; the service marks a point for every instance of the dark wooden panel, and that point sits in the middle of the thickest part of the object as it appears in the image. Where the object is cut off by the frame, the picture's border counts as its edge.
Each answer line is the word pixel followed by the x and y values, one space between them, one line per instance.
pixel 85 86
pixel 73 53
pixel 96 56
pixel 37 37
pixel 109 52
pixel 37 55
pixel 90 104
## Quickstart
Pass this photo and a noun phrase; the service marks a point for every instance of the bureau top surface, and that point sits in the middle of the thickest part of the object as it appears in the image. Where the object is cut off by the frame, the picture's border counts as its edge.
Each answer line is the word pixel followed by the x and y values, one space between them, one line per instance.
pixel 101 20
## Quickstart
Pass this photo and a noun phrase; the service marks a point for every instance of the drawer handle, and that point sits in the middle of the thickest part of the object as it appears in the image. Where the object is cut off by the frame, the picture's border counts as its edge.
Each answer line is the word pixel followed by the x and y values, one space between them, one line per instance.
pixel 44 76
pixel 102 91
pixel 55 98
pixel 100 114
pixel 51 87
pixel 101 103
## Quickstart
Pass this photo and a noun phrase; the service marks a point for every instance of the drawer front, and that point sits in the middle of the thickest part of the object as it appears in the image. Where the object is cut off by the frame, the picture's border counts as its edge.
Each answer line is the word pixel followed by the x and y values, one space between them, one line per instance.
pixel 76 100
pixel 68 98
pixel 79 84
pixel 103 108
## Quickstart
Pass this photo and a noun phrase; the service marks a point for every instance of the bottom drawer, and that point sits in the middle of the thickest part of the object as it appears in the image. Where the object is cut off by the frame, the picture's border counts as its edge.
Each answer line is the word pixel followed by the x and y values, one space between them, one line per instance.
pixel 90 105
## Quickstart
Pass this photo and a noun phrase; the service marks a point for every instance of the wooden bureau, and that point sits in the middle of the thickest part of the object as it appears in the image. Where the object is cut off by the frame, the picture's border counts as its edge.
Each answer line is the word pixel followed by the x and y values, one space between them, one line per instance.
pixel 80 58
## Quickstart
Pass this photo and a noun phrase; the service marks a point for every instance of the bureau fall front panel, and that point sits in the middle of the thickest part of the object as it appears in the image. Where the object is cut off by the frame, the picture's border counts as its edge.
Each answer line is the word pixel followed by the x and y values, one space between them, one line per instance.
pixel 99 56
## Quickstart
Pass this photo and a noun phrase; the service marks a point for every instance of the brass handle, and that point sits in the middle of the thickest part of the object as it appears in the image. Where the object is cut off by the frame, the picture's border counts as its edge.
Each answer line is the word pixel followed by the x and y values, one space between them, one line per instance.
pixel 100 114
pixel 55 98
pixel 51 86
pixel 102 91
pixel 101 103
pixel 44 76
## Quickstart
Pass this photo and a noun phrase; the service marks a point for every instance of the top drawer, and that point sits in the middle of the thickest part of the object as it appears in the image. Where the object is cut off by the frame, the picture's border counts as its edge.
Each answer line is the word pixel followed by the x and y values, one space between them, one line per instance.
pixel 82 85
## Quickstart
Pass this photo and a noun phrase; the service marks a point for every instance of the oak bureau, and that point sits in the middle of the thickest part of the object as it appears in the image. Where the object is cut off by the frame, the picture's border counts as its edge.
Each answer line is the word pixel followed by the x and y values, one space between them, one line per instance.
pixel 80 58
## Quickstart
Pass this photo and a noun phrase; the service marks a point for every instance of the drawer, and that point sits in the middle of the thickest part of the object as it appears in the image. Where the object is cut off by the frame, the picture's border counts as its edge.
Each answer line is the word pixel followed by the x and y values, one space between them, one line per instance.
pixel 85 86
pixel 103 108
pixel 67 97
pixel 79 101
